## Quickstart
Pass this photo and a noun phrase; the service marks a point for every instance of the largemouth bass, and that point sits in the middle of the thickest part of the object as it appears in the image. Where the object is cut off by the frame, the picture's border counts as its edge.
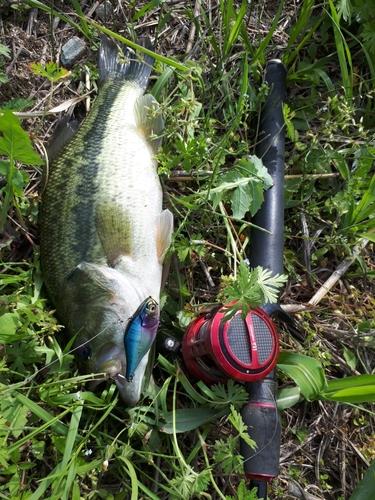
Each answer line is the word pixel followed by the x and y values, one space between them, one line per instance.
pixel 104 233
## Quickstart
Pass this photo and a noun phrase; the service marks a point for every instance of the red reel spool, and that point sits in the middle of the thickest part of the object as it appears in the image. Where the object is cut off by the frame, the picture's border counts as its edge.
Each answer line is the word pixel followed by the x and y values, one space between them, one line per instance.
pixel 244 350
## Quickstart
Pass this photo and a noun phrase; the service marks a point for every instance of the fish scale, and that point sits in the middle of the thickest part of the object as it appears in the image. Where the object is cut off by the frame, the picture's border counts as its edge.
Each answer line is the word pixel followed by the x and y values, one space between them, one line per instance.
pixel 103 229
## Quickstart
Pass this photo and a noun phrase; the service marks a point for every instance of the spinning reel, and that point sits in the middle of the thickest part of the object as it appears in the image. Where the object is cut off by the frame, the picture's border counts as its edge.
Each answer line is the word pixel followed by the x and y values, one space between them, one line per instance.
pixel 215 348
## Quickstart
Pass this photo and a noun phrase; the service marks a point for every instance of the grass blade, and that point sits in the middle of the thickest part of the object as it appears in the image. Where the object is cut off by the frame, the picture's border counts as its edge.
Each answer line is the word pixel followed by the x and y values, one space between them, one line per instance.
pixel 82 19
pixel 42 414
pixel 343 53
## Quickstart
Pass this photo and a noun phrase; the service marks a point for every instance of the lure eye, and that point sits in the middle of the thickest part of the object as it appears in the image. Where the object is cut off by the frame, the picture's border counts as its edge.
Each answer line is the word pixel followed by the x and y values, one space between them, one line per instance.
pixel 84 353
pixel 151 307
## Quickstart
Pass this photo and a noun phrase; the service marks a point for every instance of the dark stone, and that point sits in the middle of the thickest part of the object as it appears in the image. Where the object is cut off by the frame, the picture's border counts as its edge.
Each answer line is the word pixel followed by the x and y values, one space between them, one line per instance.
pixel 72 51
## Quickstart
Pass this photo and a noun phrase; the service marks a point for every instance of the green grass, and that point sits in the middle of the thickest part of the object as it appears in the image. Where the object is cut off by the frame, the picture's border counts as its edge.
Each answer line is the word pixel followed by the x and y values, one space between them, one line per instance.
pixel 59 440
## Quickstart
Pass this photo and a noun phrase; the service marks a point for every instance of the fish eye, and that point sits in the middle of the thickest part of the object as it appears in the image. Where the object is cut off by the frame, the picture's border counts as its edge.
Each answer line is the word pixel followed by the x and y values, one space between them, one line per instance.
pixel 84 352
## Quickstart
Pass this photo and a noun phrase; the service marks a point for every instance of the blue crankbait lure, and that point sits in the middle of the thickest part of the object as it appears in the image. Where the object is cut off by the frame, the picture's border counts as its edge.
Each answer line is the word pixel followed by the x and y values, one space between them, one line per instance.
pixel 140 334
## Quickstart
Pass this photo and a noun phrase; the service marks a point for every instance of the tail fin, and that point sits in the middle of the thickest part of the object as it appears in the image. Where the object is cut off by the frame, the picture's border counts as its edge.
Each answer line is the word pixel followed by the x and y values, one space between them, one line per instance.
pixel 126 66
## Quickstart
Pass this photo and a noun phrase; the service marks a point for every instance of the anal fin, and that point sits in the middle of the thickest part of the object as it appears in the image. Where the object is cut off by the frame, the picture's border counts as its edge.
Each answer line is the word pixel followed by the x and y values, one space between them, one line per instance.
pixel 66 128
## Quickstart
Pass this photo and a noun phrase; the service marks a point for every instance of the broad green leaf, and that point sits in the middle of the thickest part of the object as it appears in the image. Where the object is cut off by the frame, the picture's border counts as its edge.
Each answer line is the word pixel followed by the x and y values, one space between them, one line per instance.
pixel 15 413
pixel 254 166
pixel 350 358
pixel 256 196
pixel 38 448
pixel 354 395
pixel 17 104
pixel 306 373
pixel 288 397
pixel 339 384
pixel 366 487
pixel 14 141
pixel 4 50
pixel 356 389
pixel 14 485
pixel 9 323
pixel 367 236
pixel 188 419
pixel 241 201
pixel 4 167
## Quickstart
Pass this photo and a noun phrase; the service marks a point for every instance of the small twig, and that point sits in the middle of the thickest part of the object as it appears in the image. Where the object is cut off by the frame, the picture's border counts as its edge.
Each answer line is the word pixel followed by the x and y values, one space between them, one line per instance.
pixel 296 308
pixel 338 274
pixel 182 175
pixel 197 9
pixel 306 250
pixel 210 281
pixel 54 111
pixel 311 176
pixel 9 69
pixel 232 240
pixel 33 20
pixel 296 491
pixel 209 244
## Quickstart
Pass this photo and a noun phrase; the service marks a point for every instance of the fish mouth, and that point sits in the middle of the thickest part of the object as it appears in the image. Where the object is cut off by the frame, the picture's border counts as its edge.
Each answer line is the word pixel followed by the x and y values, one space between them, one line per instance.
pixel 111 361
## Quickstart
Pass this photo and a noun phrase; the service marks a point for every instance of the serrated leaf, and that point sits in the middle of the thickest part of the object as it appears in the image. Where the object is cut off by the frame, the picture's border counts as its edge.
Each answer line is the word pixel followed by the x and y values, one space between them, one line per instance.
pixel 52 71
pixel 14 141
pixel 254 166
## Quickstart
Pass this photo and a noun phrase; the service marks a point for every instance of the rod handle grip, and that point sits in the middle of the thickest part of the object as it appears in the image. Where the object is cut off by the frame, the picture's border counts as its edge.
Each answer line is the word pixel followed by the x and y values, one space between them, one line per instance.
pixel 262 418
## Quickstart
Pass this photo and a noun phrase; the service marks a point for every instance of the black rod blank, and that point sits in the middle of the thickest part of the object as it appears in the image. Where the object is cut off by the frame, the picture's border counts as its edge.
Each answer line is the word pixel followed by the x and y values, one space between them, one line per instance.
pixel 266 250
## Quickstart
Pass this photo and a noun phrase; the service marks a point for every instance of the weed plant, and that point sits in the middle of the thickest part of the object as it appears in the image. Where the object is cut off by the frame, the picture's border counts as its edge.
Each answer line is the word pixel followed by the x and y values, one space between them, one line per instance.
pixel 59 440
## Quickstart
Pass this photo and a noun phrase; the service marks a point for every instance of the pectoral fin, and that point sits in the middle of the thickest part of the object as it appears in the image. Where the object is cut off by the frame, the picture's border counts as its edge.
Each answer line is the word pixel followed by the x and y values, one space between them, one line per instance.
pixel 114 228
pixel 148 119
pixel 164 230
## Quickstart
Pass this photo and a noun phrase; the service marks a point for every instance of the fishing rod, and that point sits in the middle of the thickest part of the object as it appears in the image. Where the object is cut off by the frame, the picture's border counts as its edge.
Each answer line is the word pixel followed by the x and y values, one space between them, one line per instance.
pixel 266 250
pixel 246 350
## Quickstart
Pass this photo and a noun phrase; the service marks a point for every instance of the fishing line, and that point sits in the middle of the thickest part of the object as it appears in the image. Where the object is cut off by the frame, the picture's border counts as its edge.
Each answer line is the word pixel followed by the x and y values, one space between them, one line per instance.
pixel 31 377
